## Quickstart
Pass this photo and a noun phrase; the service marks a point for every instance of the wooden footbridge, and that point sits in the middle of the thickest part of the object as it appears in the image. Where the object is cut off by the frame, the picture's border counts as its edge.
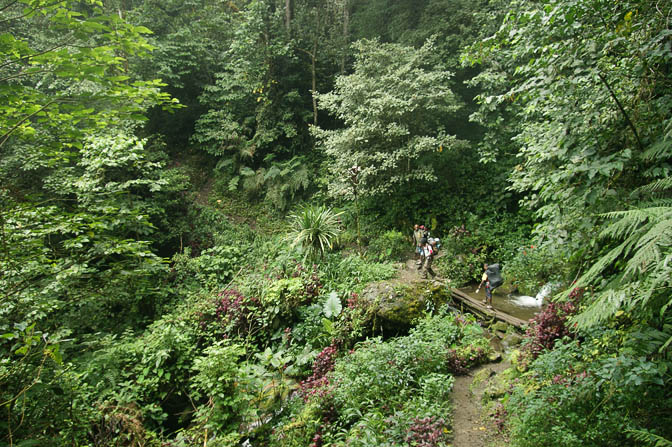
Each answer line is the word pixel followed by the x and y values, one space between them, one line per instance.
pixel 470 304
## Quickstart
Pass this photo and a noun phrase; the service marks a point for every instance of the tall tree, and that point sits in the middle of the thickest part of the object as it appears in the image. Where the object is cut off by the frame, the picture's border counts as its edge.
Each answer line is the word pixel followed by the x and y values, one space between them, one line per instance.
pixel 318 34
pixel 190 39
pixel 392 108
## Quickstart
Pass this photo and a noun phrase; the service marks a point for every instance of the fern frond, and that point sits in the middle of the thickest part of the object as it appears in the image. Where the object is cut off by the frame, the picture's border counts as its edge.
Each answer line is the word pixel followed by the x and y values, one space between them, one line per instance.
pixel 649 247
pixel 659 185
pixel 601 264
pixel 602 309
pixel 660 150
pixel 661 202
pixel 629 221
pixel 246 151
pixel 649 438
pixel 272 173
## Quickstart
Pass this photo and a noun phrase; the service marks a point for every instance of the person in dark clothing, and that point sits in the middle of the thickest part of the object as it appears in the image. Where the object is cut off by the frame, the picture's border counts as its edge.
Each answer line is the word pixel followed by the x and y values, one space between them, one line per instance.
pixel 492 278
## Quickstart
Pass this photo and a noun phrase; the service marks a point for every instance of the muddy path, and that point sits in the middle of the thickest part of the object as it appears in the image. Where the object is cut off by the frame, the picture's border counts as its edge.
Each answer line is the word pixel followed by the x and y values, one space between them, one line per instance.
pixel 471 427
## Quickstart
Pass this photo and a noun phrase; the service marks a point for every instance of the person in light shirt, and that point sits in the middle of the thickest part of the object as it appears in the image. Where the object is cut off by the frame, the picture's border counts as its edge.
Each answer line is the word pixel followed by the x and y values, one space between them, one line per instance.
pixel 429 250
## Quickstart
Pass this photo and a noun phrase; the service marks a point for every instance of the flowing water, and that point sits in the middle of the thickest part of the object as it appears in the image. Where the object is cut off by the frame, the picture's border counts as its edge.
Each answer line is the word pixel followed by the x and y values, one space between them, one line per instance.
pixel 521 306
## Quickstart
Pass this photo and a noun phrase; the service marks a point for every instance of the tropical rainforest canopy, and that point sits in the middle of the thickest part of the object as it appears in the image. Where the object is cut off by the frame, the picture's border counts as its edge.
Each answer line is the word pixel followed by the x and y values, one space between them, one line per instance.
pixel 196 194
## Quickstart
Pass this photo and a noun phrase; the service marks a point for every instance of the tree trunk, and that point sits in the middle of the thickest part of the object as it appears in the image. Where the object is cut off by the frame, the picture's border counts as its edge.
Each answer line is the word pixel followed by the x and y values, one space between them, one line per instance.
pixel 314 73
pixel 288 14
pixel 346 33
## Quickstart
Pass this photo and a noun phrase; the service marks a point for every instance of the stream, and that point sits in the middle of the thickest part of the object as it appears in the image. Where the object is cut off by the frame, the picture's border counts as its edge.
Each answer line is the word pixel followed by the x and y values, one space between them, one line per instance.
pixel 521 306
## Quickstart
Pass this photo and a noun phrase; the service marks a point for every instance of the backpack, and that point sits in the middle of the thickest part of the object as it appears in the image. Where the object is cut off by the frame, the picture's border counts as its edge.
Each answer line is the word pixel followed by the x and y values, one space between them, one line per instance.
pixel 435 248
pixel 494 275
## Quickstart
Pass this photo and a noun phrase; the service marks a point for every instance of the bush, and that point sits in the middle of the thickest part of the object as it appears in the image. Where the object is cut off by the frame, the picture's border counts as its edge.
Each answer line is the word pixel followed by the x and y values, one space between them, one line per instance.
pixel 232 315
pixel 390 246
pixel 534 266
pixel 216 372
pixel 548 326
pixel 213 269
pixel 591 393
pixel 462 256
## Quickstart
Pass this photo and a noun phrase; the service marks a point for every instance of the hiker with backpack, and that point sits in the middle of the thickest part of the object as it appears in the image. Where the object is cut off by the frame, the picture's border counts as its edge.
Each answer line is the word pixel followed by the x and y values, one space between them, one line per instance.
pixel 429 250
pixel 492 278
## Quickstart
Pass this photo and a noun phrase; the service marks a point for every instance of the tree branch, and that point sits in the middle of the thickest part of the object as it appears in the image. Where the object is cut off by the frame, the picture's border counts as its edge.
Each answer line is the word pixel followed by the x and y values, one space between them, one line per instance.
pixel 5 136
pixel 24 58
pixel 26 14
pixel 9 5
pixel 620 106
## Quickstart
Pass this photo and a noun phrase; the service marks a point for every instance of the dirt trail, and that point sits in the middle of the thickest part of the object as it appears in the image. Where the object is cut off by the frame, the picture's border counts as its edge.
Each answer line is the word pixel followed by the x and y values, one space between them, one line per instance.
pixel 470 428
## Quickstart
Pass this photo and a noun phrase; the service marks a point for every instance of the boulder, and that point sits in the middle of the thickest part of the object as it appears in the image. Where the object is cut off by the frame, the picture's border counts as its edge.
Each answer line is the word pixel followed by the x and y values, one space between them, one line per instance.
pixel 397 306
pixel 499 326
pixel 512 339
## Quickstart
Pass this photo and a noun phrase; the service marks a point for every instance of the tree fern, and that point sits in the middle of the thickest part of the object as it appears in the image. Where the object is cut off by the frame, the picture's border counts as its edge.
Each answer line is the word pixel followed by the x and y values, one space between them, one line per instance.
pixel 286 181
pixel 640 265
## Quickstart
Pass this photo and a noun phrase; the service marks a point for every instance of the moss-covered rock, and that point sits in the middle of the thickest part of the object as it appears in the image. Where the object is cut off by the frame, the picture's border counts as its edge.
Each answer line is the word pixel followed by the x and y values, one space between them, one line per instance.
pixel 512 339
pixel 494 357
pixel 496 344
pixel 508 287
pixel 497 387
pixel 397 306
pixel 499 326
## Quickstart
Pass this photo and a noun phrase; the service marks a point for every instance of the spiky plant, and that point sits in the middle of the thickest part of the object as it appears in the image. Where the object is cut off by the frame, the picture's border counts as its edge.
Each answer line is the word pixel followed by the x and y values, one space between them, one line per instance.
pixel 314 229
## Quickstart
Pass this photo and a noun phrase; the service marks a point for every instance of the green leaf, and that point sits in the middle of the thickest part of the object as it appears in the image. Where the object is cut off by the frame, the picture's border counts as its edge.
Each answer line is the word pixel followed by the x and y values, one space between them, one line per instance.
pixel 332 306
pixel 246 171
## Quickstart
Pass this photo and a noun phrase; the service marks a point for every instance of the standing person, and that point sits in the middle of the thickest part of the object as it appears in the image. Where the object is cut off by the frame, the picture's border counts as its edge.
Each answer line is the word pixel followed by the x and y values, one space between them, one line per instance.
pixel 429 250
pixel 492 279
pixel 417 237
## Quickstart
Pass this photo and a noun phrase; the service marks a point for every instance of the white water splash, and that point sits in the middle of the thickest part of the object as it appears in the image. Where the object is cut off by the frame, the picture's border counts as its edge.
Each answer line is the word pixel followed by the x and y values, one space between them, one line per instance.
pixel 533 301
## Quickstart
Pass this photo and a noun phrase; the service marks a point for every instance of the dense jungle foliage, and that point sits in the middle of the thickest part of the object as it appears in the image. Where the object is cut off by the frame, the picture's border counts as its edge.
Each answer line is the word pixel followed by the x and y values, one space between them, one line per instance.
pixel 195 195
